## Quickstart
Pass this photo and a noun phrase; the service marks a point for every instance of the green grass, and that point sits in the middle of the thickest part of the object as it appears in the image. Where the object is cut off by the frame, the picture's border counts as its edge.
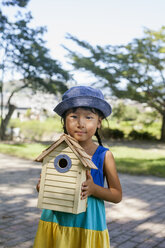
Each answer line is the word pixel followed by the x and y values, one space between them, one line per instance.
pixel 25 150
pixel 140 161
pixel 137 161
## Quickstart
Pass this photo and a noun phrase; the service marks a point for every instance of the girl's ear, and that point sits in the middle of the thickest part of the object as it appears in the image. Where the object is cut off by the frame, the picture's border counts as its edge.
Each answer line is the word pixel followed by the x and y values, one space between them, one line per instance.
pixel 99 122
pixel 64 126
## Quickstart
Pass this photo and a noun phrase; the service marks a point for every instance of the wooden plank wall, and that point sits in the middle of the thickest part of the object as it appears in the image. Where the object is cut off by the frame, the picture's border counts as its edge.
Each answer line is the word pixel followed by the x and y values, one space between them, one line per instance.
pixel 60 191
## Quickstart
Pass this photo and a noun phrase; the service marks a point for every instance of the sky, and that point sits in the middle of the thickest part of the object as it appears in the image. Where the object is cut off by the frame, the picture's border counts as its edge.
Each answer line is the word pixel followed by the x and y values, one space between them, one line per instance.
pixel 99 22
pixel 96 21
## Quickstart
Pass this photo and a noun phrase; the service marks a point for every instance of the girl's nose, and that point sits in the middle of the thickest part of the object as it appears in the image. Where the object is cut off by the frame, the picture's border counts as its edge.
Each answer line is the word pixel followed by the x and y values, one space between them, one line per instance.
pixel 81 122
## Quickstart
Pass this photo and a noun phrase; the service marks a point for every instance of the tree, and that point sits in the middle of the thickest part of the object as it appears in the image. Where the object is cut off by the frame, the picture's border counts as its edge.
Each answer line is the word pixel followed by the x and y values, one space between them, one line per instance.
pixel 24 52
pixel 119 111
pixel 124 112
pixel 134 71
pixel 20 3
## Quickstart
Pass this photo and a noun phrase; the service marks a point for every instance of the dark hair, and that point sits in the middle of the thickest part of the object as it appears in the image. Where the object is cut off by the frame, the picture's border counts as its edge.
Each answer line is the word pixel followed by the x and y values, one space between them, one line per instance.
pixel 93 110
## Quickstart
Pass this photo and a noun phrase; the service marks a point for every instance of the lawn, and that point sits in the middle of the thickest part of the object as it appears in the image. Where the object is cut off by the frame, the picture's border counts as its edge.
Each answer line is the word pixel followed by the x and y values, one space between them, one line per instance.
pixel 129 159
pixel 25 150
pixel 140 161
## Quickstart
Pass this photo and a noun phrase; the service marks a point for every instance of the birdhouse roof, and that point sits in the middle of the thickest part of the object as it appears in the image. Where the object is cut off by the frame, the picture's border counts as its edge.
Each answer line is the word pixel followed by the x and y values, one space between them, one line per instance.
pixel 75 147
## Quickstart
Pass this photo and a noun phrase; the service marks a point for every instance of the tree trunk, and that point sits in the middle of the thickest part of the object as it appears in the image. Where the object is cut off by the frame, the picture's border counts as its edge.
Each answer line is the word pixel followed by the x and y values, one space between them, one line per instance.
pixel 6 121
pixel 163 129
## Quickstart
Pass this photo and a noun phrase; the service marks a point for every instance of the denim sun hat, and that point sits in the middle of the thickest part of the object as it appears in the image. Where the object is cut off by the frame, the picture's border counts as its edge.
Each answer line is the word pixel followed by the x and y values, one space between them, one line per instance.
pixel 83 96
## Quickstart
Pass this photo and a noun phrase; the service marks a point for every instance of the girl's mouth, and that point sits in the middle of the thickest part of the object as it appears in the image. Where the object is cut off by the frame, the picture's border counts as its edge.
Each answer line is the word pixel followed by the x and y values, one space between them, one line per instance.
pixel 79 132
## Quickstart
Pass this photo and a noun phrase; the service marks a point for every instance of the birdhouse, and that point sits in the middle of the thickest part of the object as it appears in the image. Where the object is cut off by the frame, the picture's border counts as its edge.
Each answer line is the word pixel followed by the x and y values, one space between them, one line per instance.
pixel 63 171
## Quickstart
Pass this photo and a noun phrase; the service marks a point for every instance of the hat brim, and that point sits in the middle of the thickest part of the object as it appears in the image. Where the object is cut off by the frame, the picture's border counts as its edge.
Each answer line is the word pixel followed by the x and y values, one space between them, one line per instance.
pixel 83 101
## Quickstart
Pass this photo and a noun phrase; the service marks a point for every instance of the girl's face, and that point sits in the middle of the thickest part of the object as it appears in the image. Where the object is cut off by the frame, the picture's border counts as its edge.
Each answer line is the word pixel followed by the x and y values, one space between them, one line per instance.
pixel 82 124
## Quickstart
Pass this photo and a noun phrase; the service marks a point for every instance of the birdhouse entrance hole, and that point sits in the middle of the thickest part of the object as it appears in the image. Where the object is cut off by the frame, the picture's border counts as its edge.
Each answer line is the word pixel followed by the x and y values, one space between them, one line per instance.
pixel 62 163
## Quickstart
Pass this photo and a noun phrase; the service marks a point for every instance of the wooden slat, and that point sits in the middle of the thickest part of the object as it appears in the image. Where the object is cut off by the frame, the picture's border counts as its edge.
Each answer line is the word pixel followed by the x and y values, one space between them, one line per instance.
pixel 65 149
pixel 58 202
pixel 58 196
pixel 60 184
pixel 55 144
pixel 88 163
pixel 74 150
pixel 82 159
pixel 57 208
pixel 76 144
pixel 86 158
pixel 59 190
pixel 75 162
pixel 77 192
pixel 69 173
pixel 60 178
pixel 91 164
pixel 43 174
pixel 49 149
pixel 83 154
pixel 70 138
pixel 55 153
pixel 61 145
pixel 81 204
pixel 73 167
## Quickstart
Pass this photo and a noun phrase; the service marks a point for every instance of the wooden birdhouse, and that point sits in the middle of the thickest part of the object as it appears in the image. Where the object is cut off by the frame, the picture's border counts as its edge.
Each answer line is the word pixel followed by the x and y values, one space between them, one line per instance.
pixel 63 171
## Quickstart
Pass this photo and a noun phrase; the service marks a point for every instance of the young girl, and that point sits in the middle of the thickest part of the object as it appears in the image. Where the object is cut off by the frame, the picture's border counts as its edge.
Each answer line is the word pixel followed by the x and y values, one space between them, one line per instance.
pixel 82 109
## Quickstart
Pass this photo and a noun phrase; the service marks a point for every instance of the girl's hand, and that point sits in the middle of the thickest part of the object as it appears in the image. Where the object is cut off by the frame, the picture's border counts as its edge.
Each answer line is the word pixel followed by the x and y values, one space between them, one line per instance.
pixel 38 184
pixel 87 188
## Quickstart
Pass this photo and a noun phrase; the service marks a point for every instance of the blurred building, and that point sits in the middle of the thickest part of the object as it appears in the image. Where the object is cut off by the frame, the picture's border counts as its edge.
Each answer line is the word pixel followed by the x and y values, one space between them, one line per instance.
pixel 28 104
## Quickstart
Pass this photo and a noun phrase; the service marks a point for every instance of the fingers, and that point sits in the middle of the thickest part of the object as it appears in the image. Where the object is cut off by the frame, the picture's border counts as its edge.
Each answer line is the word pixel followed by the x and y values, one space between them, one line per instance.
pixel 37 188
pixel 38 184
pixel 88 187
pixel 84 191
pixel 84 195
pixel 88 175
pixel 85 186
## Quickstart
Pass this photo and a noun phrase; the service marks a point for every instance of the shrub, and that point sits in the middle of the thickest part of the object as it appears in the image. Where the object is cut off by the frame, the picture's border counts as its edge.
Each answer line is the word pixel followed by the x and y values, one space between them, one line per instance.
pixel 123 112
pixel 32 130
pixel 135 135
pixel 112 133
pixel 35 129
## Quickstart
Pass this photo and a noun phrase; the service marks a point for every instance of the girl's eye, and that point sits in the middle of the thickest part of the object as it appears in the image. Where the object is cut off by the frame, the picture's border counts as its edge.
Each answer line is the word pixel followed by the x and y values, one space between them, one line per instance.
pixel 73 116
pixel 89 117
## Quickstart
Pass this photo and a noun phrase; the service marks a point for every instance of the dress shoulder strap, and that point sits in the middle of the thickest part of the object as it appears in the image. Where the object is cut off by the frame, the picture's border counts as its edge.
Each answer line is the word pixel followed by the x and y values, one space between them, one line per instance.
pixel 98 160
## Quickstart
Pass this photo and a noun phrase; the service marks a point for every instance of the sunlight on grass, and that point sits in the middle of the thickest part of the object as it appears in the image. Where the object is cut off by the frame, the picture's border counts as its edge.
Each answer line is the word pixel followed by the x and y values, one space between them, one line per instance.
pixel 139 161
pixel 28 151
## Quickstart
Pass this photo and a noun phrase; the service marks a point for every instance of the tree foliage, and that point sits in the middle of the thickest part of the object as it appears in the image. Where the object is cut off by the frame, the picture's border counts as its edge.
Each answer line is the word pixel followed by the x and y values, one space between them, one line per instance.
pixel 124 112
pixel 20 3
pixel 134 71
pixel 24 53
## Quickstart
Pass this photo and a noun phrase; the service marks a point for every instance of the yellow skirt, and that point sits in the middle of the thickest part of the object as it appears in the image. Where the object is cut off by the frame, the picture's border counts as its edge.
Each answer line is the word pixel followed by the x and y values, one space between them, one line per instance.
pixel 51 235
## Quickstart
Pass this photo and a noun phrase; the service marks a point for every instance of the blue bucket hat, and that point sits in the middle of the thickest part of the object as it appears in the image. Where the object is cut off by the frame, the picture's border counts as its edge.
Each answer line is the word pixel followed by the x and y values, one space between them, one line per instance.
pixel 83 96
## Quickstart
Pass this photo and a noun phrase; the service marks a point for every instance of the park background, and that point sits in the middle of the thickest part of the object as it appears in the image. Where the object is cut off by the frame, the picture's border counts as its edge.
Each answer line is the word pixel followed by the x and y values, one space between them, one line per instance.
pixel 117 46
pixel 82 45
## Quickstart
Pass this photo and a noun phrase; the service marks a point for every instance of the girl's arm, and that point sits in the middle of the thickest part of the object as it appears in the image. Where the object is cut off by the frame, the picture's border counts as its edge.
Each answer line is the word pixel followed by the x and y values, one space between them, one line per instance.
pixel 114 191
